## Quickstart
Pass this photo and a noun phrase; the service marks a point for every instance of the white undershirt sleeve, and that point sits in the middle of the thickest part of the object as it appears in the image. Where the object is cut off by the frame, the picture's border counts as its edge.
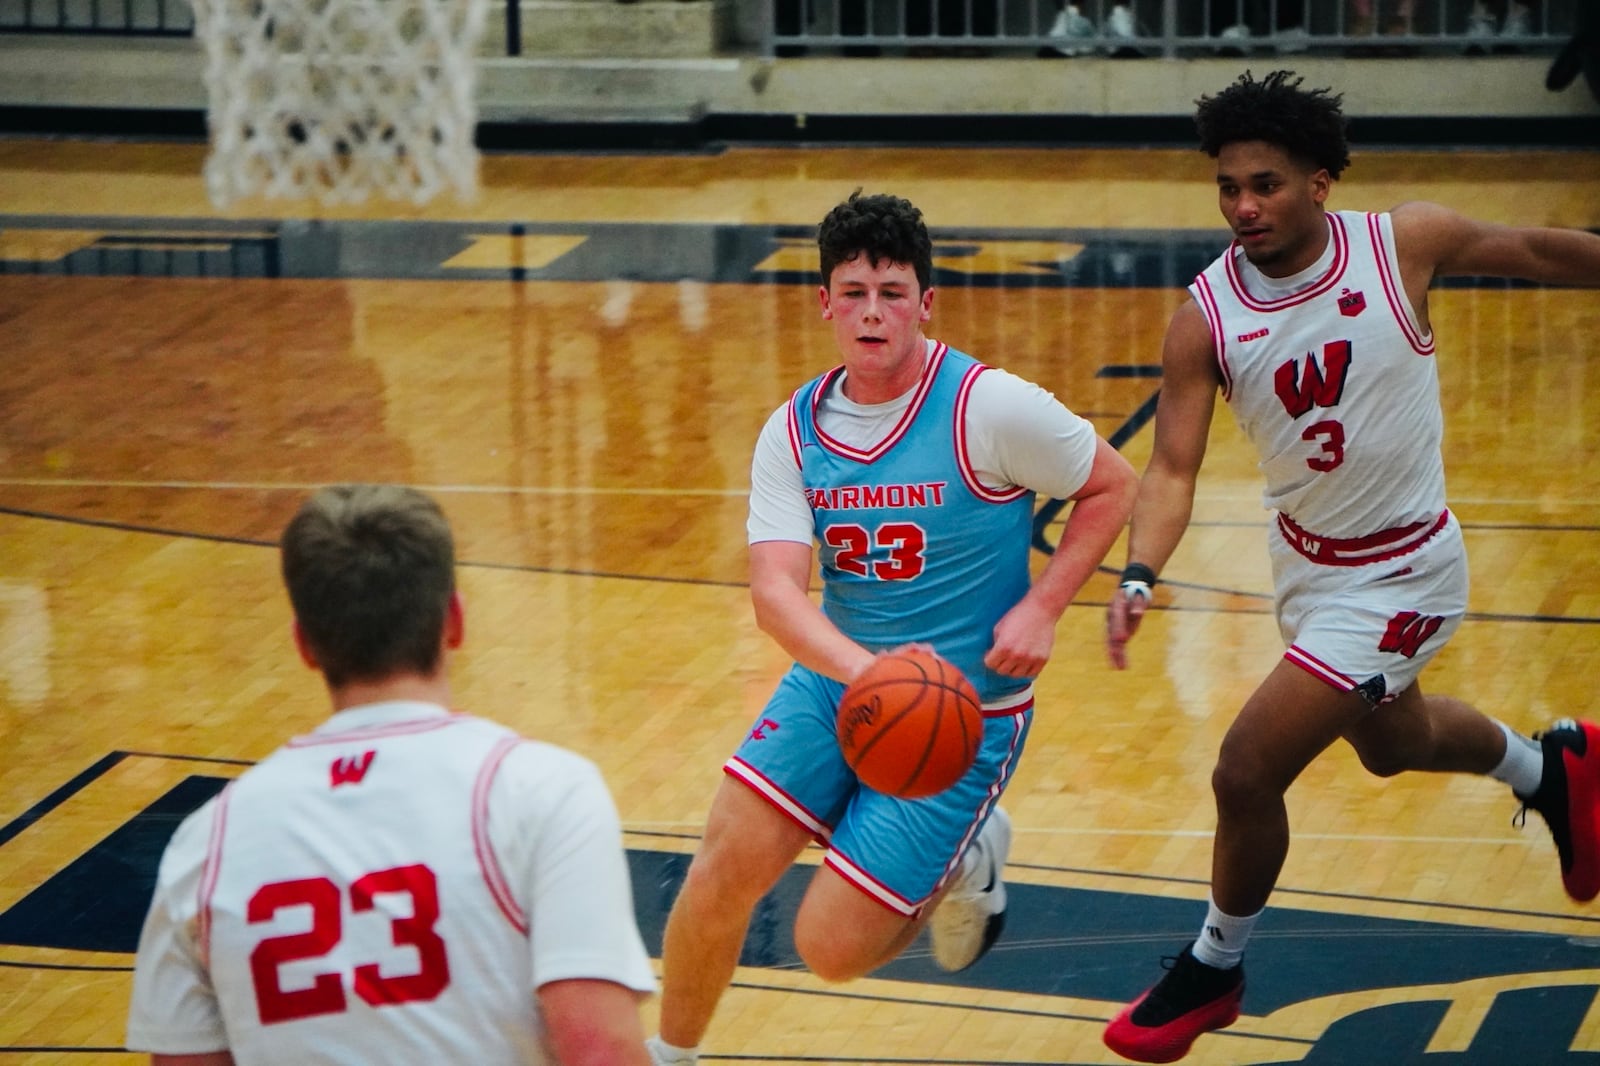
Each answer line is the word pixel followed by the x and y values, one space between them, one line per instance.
pixel 1019 434
pixel 778 507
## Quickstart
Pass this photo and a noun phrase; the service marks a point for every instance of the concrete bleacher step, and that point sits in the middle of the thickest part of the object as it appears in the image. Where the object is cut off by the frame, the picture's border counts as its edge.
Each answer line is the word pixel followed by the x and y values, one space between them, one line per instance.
pixel 608 28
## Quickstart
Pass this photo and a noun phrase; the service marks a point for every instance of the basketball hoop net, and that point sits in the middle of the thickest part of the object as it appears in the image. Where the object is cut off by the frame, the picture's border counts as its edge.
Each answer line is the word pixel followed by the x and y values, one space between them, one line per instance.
pixel 337 99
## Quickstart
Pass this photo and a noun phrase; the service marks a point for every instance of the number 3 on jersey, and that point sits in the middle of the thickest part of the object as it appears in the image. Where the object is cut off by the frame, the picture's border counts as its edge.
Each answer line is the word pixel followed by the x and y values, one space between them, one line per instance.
pixel 904 543
pixel 326 993
pixel 1299 390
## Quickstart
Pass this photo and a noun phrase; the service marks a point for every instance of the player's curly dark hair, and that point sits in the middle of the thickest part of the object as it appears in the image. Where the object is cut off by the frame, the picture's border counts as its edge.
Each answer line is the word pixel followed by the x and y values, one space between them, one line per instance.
pixel 880 227
pixel 1306 123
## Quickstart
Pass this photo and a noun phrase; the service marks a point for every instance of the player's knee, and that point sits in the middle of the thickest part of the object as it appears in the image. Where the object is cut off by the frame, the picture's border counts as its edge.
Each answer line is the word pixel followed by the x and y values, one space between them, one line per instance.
pixel 721 878
pixel 832 946
pixel 1383 761
pixel 1393 744
pixel 828 955
pixel 1241 783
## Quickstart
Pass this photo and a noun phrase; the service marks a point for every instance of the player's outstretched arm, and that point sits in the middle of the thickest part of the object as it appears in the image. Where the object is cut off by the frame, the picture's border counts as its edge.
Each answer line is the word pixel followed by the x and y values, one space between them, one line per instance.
pixel 1189 381
pixel 593 1023
pixel 1434 239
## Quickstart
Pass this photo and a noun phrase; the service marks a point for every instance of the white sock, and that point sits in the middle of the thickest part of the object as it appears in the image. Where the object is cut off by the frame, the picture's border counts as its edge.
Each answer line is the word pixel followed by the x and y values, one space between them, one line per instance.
pixel 976 868
pixel 664 1054
pixel 972 866
pixel 1523 765
pixel 1223 937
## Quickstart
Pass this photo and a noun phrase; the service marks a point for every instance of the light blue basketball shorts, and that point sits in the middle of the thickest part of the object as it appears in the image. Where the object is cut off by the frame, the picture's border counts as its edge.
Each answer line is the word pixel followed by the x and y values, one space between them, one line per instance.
pixel 898 851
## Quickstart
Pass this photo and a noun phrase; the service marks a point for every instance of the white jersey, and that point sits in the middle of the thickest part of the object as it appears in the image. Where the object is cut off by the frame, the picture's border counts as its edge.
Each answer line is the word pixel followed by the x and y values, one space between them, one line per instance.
pixel 393 887
pixel 1332 379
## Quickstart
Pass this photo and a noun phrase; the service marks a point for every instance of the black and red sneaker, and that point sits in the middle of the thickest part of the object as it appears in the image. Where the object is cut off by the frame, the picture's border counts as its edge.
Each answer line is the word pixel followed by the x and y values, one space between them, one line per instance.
pixel 1163 1024
pixel 1568 798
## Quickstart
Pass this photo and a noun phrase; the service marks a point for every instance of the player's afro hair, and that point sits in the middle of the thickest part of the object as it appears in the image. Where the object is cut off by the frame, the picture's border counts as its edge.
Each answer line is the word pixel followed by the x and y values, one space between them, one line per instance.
pixel 1306 123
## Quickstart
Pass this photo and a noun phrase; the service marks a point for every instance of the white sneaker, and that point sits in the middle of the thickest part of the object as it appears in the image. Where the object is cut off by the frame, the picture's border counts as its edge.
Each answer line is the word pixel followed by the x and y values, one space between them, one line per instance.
pixel 1119 23
pixel 1121 31
pixel 968 921
pixel 1480 31
pixel 1071 25
pixel 1236 38
pixel 1293 40
pixel 1518 23
pixel 1479 22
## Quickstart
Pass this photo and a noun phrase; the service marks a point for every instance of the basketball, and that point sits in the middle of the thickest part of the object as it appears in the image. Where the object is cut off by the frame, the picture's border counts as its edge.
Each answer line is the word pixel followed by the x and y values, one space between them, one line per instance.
pixel 910 725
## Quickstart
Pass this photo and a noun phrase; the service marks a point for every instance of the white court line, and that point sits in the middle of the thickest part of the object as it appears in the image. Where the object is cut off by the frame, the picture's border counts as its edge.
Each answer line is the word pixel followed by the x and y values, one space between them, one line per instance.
pixel 257 486
pixel 551 490
pixel 1453 501
pixel 1380 838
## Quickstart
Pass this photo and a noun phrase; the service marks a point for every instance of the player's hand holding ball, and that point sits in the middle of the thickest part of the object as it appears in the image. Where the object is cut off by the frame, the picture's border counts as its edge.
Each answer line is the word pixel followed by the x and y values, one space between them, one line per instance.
pixel 910 724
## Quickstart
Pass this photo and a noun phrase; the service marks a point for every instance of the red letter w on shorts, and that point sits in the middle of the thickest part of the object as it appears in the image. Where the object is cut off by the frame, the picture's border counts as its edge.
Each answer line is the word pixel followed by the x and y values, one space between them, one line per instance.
pixel 1407 632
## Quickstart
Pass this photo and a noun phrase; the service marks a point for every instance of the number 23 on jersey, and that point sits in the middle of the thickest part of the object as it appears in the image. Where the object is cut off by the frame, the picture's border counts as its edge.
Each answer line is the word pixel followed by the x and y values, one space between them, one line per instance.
pixel 326 992
pixel 901 546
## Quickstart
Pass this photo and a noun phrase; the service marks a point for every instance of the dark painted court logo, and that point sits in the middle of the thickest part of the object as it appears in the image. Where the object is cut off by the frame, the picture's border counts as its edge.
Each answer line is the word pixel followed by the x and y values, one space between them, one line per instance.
pixel 1325 989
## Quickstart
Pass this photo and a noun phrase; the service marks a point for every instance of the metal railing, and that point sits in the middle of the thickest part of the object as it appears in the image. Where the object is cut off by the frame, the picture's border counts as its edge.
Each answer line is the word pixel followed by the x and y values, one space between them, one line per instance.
pixel 139 18
pixel 1020 27
pixel 1170 27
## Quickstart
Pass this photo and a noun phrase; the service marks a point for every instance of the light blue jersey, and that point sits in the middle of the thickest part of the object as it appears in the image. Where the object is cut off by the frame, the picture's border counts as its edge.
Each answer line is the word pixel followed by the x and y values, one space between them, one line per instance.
pixel 913 549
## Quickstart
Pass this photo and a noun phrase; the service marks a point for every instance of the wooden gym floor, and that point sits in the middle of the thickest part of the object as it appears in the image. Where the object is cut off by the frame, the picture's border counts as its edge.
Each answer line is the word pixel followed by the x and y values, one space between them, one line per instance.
pixel 577 365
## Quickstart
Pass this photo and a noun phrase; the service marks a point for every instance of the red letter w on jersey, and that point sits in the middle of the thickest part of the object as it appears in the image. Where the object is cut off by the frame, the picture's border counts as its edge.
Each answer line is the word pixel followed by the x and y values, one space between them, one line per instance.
pixel 1407 632
pixel 349 769
pixel 1316 386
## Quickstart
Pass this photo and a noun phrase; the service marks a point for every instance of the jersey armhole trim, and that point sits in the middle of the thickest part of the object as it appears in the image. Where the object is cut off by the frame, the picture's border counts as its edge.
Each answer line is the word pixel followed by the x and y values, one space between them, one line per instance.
pixel 210 871
pixel 493 873
pixel 1207 301
pixel 1394 289
pixel 969 475
pixel 792 421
